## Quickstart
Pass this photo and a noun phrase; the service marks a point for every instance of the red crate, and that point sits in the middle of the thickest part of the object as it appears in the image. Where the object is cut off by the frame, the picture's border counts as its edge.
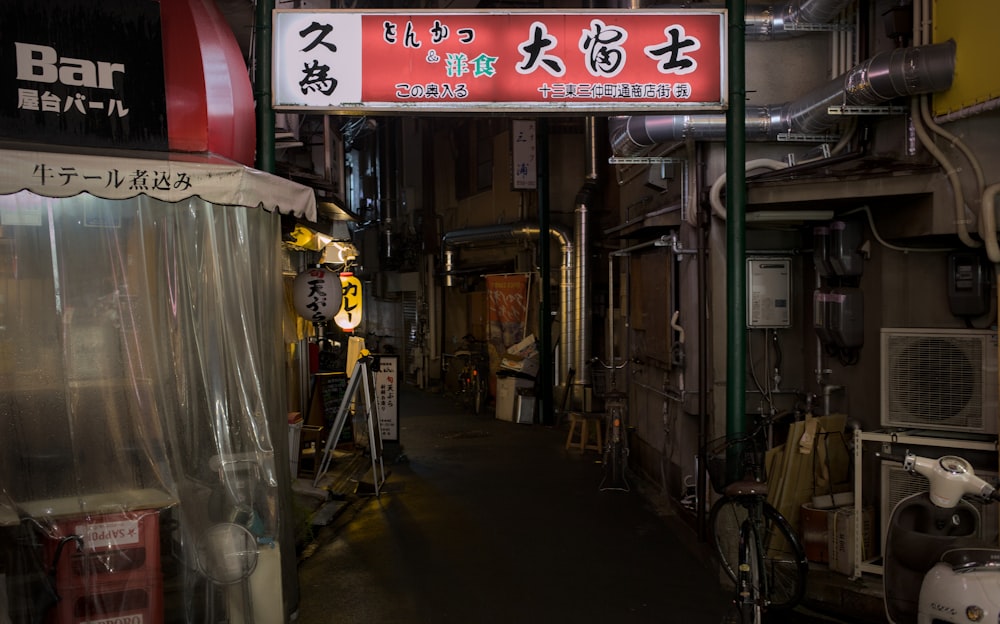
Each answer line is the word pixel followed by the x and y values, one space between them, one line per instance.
pixel 117 548
pixel 114 604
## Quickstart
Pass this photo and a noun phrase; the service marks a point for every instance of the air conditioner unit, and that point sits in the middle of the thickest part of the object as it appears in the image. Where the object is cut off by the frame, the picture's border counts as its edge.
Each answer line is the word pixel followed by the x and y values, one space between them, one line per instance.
pixel 897 484
pixel 939 379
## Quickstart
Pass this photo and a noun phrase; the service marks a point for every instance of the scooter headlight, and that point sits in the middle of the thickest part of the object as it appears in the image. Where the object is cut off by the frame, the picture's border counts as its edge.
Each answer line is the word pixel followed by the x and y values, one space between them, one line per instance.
pixel 974 613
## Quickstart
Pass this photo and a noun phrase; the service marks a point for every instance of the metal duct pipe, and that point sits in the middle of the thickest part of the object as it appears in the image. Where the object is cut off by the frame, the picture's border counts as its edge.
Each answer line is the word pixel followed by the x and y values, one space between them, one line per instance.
pixel 449 267
pixel 766 22
pixel 582 350
pixel 529 232
pixel 582 321
pixel 885 76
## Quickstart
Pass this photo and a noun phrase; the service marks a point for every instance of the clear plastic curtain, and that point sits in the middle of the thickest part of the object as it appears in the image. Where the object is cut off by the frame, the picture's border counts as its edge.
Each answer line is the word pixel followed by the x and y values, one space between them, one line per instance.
pixel 141 363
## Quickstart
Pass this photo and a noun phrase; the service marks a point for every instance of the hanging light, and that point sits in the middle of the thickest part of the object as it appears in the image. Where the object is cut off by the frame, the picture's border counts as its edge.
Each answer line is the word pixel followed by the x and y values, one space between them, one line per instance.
pixel 317 294
pixel 349 315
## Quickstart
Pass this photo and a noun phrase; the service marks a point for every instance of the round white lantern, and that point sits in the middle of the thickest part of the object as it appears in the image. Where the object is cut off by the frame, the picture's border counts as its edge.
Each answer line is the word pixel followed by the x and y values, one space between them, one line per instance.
pixel 317 294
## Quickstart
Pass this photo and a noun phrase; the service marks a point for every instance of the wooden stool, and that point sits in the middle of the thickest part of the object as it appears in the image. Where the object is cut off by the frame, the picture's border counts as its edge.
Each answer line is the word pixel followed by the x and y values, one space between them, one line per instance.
pixel 583 424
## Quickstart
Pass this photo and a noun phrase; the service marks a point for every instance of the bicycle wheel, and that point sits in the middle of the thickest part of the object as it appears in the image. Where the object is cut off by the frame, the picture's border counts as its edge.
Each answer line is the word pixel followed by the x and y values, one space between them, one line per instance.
pixel 749 583
pixel 784 559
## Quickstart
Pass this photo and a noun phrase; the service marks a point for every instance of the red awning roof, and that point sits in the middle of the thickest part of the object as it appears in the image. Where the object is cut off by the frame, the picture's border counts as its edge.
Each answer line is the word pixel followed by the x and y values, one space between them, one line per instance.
pixel 210 105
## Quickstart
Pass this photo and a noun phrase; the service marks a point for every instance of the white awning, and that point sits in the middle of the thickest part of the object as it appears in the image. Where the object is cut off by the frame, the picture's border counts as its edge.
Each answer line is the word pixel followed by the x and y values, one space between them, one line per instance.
pixel 173 178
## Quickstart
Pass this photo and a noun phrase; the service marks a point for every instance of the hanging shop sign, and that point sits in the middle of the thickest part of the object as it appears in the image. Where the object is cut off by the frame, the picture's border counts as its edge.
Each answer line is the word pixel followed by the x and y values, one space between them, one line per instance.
pixel 316 294
pixel 349 315
pixel 524 158
pixel 530 61
pixel 83 73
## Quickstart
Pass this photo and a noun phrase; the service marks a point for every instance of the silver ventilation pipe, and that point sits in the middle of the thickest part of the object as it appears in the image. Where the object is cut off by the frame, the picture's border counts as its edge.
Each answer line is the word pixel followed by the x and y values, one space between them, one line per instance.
pixel 527 232
pixel 766 22
pixel 583 350
pixel 885 76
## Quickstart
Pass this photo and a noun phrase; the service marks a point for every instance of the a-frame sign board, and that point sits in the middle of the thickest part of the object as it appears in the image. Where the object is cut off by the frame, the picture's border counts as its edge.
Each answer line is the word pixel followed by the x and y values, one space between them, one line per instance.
pixel 363 381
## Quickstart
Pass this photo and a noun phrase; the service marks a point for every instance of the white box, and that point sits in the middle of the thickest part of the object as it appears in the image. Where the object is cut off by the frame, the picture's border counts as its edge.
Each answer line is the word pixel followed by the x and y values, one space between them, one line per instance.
pixel 507 388
pixel 842 537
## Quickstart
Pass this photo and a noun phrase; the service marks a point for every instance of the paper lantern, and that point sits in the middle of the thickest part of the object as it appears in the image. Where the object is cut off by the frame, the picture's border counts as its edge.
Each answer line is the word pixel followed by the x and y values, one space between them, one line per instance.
pixel 349 315
pixel 317 294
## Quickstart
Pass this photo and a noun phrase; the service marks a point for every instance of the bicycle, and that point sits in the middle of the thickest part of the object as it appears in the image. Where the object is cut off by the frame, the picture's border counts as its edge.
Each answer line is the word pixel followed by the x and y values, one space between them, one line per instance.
pixel 616 449
pixel 757 547
pixel 472 387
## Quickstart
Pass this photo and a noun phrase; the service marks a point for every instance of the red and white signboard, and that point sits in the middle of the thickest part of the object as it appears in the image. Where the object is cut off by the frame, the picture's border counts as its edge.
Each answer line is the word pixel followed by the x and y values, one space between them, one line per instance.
pixel 516 61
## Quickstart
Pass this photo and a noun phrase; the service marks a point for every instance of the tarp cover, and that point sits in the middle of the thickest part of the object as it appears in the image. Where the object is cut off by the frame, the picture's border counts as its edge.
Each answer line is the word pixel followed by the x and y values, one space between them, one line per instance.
pixel 142 408
pixel 169 177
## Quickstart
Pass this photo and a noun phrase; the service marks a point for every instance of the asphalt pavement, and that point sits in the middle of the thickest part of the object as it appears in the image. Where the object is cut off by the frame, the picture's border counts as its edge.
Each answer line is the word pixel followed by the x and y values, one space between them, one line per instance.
pixel 482 521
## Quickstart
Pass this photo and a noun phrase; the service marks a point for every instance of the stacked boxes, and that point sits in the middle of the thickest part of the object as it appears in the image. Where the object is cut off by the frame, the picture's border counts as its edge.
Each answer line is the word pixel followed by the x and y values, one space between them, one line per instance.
pixel 114 576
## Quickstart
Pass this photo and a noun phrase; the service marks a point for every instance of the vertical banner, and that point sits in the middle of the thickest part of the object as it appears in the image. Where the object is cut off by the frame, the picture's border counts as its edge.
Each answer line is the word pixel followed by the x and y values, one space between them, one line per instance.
pixel 524 163
pixel 507 301
pixel 386 377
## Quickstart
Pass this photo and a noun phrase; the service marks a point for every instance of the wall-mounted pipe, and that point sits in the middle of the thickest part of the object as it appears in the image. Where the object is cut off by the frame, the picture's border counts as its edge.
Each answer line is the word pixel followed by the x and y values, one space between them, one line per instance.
pixel 766 22
pixel 583 325
pixel 885 76
pixel 530 233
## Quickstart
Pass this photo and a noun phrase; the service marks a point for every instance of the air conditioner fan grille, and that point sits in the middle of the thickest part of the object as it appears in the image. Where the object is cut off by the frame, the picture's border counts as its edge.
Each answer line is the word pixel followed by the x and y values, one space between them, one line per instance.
pixel 935 381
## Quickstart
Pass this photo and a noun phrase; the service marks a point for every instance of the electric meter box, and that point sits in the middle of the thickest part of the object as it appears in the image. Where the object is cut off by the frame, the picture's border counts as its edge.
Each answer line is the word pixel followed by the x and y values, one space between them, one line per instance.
pixel 769 285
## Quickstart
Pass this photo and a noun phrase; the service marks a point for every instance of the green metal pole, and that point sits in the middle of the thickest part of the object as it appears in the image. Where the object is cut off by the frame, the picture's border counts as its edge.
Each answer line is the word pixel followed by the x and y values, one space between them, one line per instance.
pixel 736 221
pixel 544 381
pixel 262 87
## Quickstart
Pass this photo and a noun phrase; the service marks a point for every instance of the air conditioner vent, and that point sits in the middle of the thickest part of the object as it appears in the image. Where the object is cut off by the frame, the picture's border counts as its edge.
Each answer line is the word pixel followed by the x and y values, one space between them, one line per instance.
pixel 939 379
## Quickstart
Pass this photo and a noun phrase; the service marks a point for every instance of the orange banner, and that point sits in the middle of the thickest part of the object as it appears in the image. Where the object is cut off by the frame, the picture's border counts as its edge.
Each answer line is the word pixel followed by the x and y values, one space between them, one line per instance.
pixel 507 297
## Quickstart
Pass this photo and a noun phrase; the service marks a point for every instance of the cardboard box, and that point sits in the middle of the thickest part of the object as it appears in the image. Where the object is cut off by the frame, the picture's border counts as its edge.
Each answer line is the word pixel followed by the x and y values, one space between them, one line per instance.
pixel 842 534
pixel 527 366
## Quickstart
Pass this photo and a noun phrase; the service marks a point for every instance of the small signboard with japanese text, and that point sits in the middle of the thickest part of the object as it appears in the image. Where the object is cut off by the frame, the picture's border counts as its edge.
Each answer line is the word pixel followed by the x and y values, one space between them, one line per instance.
pixel 521 60
pixel 386 377
pixel 524 163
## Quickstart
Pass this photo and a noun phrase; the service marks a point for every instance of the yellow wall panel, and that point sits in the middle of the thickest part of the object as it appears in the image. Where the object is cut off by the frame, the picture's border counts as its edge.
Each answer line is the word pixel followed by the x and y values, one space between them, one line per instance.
pixel 973 25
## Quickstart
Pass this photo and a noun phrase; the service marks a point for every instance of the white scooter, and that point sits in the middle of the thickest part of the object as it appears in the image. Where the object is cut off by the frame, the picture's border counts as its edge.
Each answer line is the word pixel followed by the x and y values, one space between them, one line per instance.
pixel 937 570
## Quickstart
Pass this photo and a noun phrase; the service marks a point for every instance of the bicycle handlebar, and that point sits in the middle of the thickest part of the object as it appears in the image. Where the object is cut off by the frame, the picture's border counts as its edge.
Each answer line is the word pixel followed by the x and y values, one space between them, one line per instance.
pixel 951 477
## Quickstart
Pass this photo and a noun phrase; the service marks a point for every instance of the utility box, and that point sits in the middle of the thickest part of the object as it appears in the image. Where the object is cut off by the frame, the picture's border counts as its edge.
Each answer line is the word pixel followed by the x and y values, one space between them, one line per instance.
pixel 769 285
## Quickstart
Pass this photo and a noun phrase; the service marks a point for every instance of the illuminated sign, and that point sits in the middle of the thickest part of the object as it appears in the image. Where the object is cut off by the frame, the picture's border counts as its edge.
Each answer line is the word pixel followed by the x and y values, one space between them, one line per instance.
pixel 529 61
pixel 349 315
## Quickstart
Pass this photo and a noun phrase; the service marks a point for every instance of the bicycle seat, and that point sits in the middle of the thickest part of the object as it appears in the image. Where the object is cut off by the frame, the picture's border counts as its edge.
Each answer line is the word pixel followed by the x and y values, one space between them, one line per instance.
pixel 746 487
pixel 462 352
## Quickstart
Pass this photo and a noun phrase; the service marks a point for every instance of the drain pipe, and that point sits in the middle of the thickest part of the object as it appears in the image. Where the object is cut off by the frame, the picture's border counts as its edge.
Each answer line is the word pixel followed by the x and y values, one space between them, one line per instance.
pixel 525 232
pixel 885 76
pixel 262 86
pixel 582 331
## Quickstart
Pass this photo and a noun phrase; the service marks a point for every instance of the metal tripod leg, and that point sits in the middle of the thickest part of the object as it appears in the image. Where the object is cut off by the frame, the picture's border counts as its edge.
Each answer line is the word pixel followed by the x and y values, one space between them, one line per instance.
pixel 374 434
pixel 360 369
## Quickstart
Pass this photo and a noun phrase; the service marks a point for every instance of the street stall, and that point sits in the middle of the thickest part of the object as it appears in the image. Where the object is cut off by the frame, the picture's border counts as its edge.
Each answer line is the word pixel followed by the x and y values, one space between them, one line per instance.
pixel 142 398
